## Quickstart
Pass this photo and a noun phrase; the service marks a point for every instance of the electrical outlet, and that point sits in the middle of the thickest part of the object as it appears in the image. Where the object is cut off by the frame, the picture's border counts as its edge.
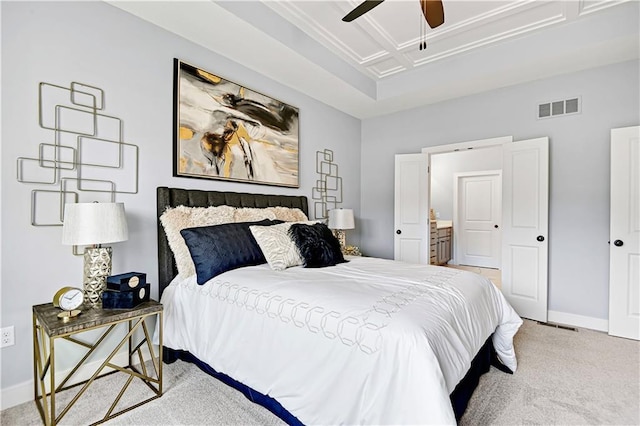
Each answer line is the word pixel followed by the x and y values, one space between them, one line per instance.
pixel 7 337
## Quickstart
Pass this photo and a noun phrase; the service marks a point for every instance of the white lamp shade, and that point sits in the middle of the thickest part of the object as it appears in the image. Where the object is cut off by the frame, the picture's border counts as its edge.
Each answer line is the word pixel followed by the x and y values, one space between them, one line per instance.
pixel 341 219
pixel 94 223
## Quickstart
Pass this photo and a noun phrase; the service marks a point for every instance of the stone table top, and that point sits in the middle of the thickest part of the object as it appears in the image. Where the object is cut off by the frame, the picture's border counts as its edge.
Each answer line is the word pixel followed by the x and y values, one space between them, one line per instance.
pixel 89 318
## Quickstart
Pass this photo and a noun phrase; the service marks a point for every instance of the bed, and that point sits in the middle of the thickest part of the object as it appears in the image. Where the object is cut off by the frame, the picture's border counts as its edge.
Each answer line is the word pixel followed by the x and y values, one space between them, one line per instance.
pixel 367 341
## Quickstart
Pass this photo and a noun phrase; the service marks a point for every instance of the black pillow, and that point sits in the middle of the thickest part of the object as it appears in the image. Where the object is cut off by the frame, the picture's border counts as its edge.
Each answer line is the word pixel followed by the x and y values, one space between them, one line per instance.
pixel 316 244
pixel 219 248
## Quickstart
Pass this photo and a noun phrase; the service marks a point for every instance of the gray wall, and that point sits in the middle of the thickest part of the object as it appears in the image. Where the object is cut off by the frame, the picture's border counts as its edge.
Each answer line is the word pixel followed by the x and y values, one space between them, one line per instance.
pixel 131 60
pixel 97 44
pixel 444 166
pixel 579 167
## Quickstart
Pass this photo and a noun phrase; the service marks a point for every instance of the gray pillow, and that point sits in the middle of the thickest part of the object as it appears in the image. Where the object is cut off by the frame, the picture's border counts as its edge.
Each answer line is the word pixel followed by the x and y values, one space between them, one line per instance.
pixel 277 246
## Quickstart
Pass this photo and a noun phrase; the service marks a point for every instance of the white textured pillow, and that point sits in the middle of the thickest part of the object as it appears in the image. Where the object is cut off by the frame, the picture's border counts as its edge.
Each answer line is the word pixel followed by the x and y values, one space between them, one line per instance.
pixel 178 218
pixel 289 214
pixel 250 214
pixel 276 245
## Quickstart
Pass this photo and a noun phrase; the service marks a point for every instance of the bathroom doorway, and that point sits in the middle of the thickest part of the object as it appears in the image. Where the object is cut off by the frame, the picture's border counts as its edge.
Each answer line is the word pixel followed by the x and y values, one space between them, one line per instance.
pixel 476 176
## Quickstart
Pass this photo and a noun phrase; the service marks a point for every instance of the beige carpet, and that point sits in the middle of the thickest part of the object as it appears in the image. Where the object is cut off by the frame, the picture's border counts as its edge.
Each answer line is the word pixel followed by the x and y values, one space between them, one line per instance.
pixel 495 275
pixel 564 377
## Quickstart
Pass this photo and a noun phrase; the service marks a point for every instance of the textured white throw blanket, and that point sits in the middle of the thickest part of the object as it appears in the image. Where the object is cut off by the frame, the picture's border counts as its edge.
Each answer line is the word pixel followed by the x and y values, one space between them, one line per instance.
pixel 371 341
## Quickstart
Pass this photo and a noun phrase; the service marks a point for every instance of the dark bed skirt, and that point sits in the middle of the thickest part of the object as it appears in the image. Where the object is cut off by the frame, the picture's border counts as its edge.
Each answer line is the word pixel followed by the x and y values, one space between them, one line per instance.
pixel 479 365
pixel 459 397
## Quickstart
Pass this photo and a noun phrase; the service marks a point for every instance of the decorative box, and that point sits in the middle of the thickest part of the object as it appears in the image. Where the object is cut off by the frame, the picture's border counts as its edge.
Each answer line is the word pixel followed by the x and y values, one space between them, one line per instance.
pixel 351 251
pixel 126 282
pixel 114 299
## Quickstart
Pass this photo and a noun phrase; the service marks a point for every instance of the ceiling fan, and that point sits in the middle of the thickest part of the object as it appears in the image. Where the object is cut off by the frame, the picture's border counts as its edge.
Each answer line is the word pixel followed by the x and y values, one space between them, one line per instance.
pixel 431 9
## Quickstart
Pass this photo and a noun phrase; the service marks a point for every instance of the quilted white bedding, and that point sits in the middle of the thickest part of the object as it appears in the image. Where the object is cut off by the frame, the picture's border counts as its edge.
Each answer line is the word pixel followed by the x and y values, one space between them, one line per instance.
pixel 371 341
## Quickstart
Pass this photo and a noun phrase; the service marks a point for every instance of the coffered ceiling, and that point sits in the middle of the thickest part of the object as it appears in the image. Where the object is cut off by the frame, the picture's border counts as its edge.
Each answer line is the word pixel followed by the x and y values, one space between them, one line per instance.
pixel 374 66
pixel 384 41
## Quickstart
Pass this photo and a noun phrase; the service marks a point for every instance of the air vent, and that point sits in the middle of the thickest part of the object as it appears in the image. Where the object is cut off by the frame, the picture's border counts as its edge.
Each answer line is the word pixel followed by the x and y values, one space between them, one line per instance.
pixel 564 327
pixel 557 108
pixel 572 106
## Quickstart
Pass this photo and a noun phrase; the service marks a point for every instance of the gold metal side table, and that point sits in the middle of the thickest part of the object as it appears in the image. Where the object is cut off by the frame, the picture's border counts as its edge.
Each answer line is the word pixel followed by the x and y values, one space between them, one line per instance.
pixel 47 328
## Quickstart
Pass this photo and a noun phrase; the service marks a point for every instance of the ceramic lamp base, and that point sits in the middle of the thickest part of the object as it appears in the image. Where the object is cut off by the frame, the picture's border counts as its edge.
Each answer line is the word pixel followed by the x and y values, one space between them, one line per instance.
pixel 97 267
pixel 342 238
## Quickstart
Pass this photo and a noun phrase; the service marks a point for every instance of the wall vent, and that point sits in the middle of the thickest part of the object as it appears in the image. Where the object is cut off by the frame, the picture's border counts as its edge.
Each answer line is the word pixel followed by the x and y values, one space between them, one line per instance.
pixel 557 108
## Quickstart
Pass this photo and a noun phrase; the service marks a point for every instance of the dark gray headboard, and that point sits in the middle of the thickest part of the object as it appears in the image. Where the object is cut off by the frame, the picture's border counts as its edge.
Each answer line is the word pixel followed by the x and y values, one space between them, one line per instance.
pixel 173 197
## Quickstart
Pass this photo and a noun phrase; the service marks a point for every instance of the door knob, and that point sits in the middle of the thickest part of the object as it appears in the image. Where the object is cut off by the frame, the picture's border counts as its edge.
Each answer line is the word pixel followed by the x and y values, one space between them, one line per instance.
pixel 540 238
pixel 398 232
pixel 618 243
pixel 495 226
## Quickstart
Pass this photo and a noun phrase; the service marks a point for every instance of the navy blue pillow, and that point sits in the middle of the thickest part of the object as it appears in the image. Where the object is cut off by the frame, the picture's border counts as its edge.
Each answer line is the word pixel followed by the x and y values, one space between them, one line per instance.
pixel 219 248
pixel 317 245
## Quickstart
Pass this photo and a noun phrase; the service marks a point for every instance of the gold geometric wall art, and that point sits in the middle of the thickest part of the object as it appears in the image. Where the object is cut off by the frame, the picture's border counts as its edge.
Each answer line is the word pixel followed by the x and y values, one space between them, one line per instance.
pixel 85 157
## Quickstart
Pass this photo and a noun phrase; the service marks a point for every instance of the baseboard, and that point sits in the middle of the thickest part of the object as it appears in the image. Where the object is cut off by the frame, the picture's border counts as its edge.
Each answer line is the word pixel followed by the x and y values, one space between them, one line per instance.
pixel 578 321
pixel 16 395
pixel 24 392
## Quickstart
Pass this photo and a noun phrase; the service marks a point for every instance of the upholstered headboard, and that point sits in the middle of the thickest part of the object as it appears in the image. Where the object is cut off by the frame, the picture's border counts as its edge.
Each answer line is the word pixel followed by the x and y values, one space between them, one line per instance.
pixel 173 197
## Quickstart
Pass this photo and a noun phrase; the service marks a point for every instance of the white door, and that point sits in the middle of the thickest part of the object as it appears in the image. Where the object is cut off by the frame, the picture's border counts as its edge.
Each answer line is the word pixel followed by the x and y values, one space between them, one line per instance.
pixel 478 202
pixel 624 253
pixel 411 208
pixel 525 196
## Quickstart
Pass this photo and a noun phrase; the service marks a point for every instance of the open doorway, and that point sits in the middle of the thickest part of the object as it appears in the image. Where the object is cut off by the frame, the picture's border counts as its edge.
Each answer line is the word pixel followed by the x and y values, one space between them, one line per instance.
pixel 525 191
pixel 466 193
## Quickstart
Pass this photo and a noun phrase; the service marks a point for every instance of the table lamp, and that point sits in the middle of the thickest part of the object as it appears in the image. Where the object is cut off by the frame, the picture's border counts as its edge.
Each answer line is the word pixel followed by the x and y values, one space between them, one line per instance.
pixel 93 224
pixel 339 220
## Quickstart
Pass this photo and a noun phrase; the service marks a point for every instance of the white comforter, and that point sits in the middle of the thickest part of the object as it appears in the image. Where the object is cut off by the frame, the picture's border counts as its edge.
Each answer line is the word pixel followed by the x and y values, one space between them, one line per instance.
pixel 371 341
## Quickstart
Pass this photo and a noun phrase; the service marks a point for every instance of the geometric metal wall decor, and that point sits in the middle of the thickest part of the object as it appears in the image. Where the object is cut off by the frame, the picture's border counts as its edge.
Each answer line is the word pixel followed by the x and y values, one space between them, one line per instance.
pixel 328 189
pixel 86 158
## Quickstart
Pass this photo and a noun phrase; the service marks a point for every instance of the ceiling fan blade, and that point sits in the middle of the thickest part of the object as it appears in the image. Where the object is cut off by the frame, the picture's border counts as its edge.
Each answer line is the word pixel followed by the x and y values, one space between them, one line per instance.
pixel 361 9
pixel 433 12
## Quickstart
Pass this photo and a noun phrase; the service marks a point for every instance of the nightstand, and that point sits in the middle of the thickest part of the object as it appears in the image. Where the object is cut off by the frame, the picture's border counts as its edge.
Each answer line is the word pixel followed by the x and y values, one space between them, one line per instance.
pixel 48 329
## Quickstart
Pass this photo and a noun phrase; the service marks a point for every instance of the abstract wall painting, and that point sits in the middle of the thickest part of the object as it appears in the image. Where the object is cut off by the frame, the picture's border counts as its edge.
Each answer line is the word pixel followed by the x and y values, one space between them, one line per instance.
pixel 226 131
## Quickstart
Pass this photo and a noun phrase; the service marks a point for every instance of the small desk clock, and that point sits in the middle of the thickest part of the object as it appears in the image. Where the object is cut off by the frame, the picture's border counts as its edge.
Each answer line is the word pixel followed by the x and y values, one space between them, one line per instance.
pixel 69 299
